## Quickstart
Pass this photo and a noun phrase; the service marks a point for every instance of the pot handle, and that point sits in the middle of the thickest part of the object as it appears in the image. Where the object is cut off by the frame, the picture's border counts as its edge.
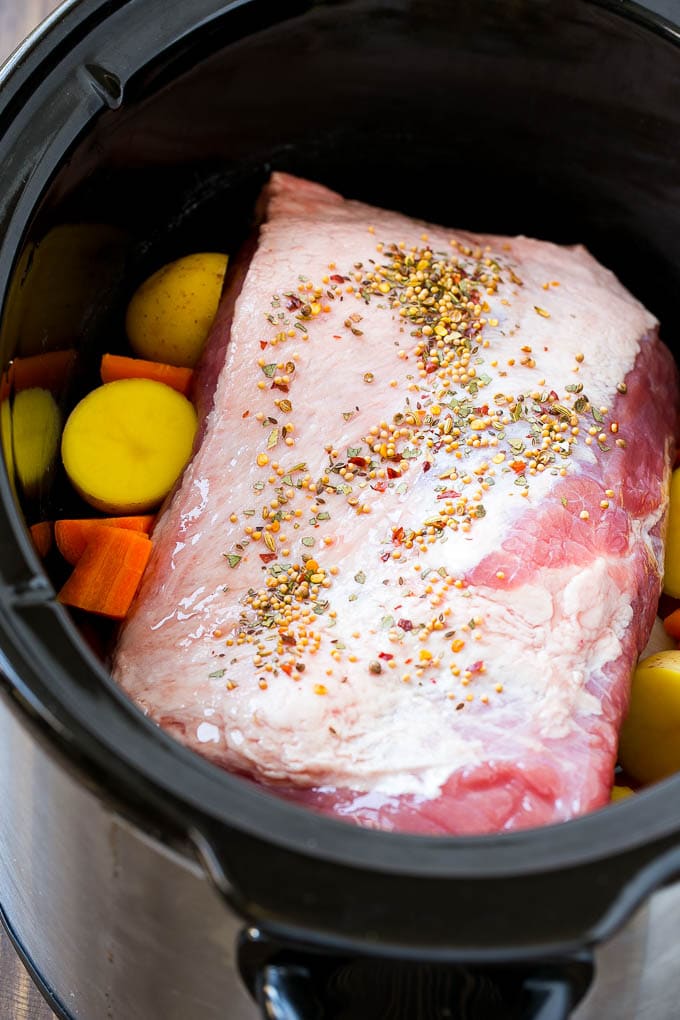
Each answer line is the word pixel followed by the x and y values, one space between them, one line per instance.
pixel 548 999
pixel 286 991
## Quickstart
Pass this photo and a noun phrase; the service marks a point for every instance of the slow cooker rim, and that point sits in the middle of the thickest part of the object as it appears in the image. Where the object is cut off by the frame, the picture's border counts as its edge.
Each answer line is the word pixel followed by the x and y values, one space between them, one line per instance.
pixel 581 840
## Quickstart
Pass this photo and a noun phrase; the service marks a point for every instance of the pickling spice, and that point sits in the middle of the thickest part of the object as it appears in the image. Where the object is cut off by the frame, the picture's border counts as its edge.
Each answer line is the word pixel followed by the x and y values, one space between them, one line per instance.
pixel 444 301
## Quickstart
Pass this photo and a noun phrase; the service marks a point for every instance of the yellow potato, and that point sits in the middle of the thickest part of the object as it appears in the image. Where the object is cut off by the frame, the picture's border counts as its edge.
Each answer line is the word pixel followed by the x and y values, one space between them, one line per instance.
pixel 125 444
pixel 671 577
pixel 7 452
pixel 649 746
pixel 621 792
pixel 36 424
pixel 57 284
pixel 169 316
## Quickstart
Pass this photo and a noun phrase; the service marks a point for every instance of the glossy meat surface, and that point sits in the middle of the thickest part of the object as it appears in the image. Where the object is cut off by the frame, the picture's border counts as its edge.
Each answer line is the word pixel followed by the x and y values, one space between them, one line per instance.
pixel 417 551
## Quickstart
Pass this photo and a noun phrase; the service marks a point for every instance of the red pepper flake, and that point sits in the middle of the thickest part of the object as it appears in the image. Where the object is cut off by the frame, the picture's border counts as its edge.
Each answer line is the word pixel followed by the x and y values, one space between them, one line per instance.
pixel 358 461
pixel 391 473
pixel 263 344
pixel 294 303
pixel 287 668
pixel 385 557
pixel 405 624
pixel 336 278
pixel 385 655
pixel 397 535
pixel 280 386
pixel 476 667
pixel 267 557
pixel 245 414
pixel 287 639
pixel 518 466
pixel 448 494
pixel 430 368
pixel 380 486
pixel 426 466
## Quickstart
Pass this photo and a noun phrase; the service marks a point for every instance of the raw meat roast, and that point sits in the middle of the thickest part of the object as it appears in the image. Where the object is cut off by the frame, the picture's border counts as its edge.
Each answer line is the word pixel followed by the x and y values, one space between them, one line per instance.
pixel 408 571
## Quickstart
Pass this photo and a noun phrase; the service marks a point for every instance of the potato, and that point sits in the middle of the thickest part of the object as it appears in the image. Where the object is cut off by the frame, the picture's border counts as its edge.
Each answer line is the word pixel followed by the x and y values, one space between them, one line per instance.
pixel 169 316
pixel 36 424
pixel 671 578
pixel 7 452
pixel 649 745
pixel 125 444
pixel 58 282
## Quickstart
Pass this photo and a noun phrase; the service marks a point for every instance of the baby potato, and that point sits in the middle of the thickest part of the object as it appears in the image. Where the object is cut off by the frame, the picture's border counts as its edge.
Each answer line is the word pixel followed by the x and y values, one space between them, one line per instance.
pixel 649 745
pixel 671 578
pixel 36 424
pixel 126 443
pixel 170 314
pixel 620 793
pixel 6 428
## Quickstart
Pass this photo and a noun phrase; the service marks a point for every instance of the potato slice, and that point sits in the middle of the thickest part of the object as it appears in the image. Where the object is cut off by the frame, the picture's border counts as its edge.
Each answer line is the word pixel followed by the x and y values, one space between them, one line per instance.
pixel 170 315
pixel 649 745
pixel 126 443
pixel 671 577
pixel 36 424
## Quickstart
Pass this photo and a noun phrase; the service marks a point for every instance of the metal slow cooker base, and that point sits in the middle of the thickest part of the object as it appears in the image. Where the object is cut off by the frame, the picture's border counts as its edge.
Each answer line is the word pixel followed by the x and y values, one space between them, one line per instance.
pixel 117 925
pixel 126 929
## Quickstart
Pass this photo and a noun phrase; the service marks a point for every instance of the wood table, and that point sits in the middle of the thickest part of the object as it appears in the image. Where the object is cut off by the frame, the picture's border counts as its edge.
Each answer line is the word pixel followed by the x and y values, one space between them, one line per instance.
pixel 19 999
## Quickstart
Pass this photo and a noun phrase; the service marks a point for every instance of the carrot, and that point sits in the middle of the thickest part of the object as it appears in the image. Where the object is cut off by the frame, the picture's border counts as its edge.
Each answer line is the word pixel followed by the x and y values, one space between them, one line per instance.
pixel 107 575
pixel 73 536
pixel 48 371
pixel 42 537
pixel 672 624
pixel 116 367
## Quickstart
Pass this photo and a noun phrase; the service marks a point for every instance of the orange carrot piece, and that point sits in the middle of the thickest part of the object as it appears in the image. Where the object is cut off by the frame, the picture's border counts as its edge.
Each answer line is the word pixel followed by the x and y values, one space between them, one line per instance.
pixel 107 575
pixel 48 371
pixel 42 537
pixel 672 624
pixel 115 367
pixel 73 536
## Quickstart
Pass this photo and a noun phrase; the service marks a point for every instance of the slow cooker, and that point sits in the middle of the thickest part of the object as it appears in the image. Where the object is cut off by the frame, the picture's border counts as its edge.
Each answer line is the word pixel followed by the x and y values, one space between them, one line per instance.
pixel 137 880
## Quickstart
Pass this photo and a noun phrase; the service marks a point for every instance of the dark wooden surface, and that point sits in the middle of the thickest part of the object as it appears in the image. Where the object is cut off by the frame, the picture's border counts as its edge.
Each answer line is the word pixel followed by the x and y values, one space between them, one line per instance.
pixel 19 999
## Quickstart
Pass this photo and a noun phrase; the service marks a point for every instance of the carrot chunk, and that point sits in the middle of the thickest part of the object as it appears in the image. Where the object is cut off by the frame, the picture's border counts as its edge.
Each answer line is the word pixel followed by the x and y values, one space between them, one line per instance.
pixel 49 371
pixel 115 367
pixel 42 537
pixel 672 624
pixel 73 536
pixel 107 575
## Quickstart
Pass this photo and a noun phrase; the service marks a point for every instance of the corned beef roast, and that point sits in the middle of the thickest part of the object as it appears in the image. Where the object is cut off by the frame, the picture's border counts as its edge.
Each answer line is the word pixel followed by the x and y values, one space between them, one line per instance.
pixel 406 575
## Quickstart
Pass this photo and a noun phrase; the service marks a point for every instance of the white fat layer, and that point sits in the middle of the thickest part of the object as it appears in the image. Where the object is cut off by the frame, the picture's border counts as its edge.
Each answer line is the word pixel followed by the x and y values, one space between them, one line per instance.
pixel 529 645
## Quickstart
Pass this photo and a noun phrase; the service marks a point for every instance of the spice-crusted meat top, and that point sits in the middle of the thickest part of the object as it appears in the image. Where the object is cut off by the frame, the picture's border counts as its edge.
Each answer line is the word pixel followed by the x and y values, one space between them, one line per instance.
pixel 415 554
